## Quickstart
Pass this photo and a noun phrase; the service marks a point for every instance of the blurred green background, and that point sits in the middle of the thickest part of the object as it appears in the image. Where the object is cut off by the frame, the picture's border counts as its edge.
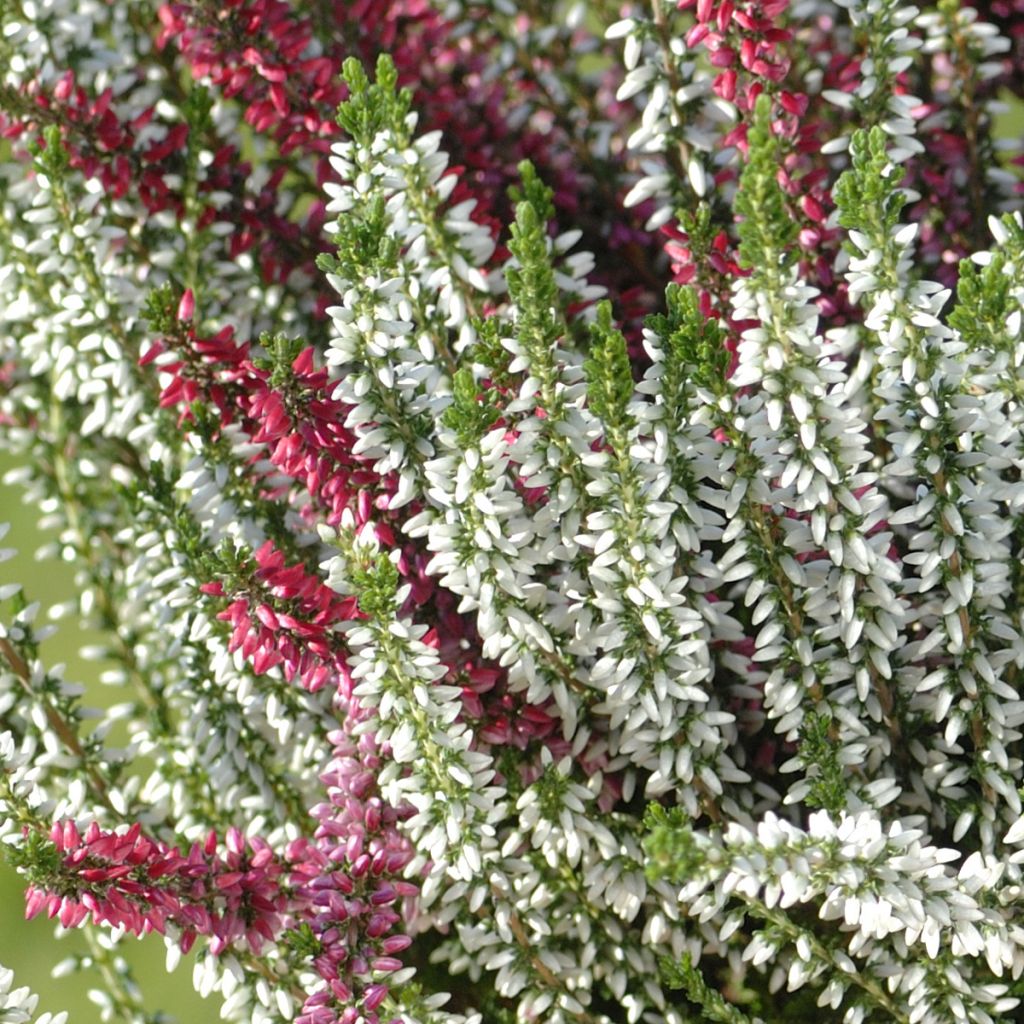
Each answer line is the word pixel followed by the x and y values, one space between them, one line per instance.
pixel 29 948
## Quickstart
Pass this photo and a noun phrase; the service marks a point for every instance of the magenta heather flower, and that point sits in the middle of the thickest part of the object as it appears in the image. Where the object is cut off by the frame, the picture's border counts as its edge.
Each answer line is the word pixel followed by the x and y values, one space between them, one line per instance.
pixel 279 66
pixel 284 618
pixel 351 875
pixel 128 881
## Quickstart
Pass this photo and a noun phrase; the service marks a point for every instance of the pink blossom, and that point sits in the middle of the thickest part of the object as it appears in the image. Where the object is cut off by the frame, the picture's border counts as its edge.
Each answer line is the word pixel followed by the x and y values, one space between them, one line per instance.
pixel 128 880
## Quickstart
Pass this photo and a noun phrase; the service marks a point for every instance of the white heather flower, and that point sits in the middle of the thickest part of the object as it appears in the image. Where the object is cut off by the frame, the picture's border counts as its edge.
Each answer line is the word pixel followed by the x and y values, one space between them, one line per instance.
pixel 18 1005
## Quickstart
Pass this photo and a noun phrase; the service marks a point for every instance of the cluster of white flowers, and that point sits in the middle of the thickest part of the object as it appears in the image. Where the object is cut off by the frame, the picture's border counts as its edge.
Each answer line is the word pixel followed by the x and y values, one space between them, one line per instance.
pixel 894 895
pixel 891 49
pixel 593 599
pixel 405 270
pixel 450 785
pixel 18 1005
pixel 760 573
pixel 956 441
pixel 680 117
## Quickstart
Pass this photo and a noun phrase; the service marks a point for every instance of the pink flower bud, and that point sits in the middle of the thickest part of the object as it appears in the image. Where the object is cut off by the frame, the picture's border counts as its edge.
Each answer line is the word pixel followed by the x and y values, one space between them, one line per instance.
pixel 374 996
pixel 234 840
pixel 187 306
pixel 377 926
pixel 35 900
pixel 65 86
pixel 396 943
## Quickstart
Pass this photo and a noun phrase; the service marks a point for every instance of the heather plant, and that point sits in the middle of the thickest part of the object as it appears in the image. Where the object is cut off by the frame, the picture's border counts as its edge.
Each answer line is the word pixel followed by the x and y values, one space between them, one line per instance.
pixel 548 477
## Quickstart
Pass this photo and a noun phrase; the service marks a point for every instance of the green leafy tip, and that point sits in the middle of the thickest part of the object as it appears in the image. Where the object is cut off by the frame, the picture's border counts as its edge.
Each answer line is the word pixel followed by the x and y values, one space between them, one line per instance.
pixel 51 158
pixel 608 372
pixel 694 343
pixel 766 228
pixel 472 411
pixel 673 850
pixel 684 975
pixel 533 191
pixel 868 194
pixel 374 580
pixel 373 107
pixel 819 753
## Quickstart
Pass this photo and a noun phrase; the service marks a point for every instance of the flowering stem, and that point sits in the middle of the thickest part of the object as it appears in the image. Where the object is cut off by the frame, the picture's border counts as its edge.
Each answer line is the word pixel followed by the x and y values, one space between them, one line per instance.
pixel 61 727
pixel 680 156
pixel 824 955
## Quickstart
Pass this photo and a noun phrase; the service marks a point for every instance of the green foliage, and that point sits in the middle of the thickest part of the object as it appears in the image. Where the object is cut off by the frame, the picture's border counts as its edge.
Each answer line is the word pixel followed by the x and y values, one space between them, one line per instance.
pixel 160 310
pixel 35 857
pixel 301 942
pixel 533 191
pixel 364 241
pixel 868 194
pixel 673 852
pixel 282 352
pixel 684 975
pixel 51 158
pixel 820 754
pixel 198 112
pixel 374 580
pixel 699 224
pixel 694 344
pixel 489 352
pixel 496 1012
pixel 373 107
pixel 983 299
pixel 609 376
pixel 989 294
pixel 473 410
pixel 766 229
pixel 532 285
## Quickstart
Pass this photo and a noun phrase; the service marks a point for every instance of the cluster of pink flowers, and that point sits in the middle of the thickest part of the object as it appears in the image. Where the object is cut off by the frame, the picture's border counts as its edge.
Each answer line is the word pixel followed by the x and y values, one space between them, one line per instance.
pixel 280 66
pixel 345 884
pixel 351 877
pixel 126 880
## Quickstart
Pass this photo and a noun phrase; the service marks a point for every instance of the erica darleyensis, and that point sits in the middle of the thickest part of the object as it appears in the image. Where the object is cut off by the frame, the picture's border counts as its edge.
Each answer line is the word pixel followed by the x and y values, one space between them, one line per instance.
pixel 549 481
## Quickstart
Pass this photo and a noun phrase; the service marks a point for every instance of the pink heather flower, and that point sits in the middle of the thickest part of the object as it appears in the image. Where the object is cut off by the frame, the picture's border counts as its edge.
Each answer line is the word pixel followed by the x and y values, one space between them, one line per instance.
pixel 285 619
pixel 128 880
pixel 302 426
pixel 279 65
pixel 296 420
pixel 741 36
pixel 350 877
pixel 187 306
pixel 100 144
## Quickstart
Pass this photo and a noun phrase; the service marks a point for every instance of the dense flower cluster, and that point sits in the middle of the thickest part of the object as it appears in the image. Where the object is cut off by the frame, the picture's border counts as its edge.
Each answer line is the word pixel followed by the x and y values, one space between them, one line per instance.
pixel 129 881
pixel 548 477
